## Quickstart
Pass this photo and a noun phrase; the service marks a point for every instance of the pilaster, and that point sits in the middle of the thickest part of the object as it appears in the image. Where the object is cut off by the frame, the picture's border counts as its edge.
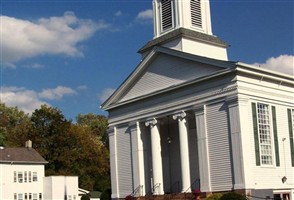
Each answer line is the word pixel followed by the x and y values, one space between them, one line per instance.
pixel 238 109
pixel 113 161
pixel 137 158
pixel 203 153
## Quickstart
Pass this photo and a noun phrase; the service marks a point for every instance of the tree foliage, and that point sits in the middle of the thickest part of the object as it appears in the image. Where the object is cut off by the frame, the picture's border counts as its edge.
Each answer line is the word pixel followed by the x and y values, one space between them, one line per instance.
pixel 96 123
pixel 70 149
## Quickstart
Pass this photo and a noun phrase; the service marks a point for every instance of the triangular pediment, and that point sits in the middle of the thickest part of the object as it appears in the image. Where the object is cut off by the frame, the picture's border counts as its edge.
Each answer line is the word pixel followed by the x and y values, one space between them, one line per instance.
pixel 164 68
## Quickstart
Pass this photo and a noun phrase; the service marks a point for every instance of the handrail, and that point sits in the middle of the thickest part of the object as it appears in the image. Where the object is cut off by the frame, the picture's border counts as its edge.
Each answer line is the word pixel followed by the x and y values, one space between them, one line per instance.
pixel 138 190
pixel 151 191
pixel 135 192
pixel 191 187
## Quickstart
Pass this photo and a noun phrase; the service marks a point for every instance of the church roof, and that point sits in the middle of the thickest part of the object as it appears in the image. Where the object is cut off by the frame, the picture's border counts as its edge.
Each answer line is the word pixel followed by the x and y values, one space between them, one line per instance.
pixel 21 155
pixel 122 95
pixel 183 32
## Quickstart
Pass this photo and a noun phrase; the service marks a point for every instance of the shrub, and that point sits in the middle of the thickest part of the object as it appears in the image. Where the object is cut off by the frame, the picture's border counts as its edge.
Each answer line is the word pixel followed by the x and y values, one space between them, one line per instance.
pixel 215 196
pixel 106 194
pixel 233 196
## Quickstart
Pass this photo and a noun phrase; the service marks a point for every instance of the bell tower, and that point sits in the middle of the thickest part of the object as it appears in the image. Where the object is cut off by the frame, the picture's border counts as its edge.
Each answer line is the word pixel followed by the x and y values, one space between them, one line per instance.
pixel 190 14
pixel 185 25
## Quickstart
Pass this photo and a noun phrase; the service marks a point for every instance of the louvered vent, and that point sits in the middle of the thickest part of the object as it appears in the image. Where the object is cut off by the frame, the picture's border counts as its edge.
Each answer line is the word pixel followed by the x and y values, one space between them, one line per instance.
pixel 166 14
pixel 196 13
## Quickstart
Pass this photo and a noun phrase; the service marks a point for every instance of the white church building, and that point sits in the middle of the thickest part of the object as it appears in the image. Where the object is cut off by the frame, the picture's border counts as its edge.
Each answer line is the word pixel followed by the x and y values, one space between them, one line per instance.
pixel 189 119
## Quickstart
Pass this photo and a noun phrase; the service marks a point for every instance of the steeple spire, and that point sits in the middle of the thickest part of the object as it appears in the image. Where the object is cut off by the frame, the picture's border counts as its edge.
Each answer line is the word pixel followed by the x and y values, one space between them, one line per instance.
pixel 185 25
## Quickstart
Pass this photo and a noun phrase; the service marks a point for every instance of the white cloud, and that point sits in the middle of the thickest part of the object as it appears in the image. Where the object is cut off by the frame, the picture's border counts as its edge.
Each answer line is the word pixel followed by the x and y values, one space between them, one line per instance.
pixel 56 93
pixel 282 63
pixel 55 35
pixel 26 100
pixel 29 100
pixel 146 15
pixel 106 93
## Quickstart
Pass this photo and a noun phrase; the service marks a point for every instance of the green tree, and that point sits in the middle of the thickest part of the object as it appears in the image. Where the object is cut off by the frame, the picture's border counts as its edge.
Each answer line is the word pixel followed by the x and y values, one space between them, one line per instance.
pixel 14 126
pixel 49 127
pixel 70 149
pixel 96 123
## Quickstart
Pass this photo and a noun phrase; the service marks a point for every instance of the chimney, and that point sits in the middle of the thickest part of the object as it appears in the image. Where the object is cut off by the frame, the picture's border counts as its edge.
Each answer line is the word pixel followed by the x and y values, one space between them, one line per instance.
pixel 29 144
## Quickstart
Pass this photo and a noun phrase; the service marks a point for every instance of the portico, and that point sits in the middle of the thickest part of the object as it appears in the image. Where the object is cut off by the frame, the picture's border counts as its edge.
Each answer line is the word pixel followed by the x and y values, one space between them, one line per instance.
pixel 184 183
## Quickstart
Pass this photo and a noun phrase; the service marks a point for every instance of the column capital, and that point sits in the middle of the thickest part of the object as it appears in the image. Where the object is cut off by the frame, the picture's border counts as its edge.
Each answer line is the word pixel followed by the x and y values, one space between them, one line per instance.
pixel 181 115
pixel 151 122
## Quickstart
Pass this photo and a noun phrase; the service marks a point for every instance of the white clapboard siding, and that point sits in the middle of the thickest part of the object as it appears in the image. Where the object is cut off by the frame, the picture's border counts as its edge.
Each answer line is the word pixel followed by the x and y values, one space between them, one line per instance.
pixel 124 161
pixel 219 147
pixel 164 72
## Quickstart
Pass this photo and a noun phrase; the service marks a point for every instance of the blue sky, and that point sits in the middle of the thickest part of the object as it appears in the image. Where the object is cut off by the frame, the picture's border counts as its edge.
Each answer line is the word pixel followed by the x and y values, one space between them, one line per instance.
pixel 73 54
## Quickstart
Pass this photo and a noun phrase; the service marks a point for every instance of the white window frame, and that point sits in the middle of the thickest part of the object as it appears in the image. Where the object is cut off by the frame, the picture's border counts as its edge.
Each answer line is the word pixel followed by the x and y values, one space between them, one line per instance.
pixel 265 131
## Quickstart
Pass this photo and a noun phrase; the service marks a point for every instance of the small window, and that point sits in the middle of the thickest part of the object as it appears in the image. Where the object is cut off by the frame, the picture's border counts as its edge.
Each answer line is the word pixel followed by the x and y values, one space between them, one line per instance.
pixel 15 177
pixel 15 196
pixel 20 177
pixel 69 197
pixel 26 196
pixel 25 176
pixel 74 197
pixel 20 197
pixel 40 196
pixel 30 196
pixel 35 177
pixel 35 196
pixel 30 176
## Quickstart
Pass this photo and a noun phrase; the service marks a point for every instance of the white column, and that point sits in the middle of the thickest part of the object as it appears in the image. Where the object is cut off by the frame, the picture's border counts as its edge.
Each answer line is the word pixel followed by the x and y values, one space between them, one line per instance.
pixel 204 167
pixel 137 159
pixel 156 156
pixel 184 151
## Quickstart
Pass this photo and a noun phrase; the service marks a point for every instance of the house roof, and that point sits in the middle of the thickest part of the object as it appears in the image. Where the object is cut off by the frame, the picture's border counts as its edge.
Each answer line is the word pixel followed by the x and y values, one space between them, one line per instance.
pixel 183 32
pixel 21 156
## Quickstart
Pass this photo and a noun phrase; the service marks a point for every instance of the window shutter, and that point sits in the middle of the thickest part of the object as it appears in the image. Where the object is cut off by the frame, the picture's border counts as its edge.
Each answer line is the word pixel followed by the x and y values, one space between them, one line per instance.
pixel 196 17
pixel 276 141
pixel 166 14
pixel 255 130
pixel 291 135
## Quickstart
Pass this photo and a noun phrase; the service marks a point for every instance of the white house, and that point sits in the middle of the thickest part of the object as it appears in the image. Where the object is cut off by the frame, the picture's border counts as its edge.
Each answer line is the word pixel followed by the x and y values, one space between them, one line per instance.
pixel 61 188
pixel 21 173
pixel 22 177
pixel 189 119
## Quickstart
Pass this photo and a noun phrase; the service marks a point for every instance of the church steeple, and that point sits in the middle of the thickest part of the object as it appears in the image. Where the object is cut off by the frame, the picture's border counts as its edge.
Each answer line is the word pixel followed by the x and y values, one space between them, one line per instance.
pixel 185 25
pixel 172 14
